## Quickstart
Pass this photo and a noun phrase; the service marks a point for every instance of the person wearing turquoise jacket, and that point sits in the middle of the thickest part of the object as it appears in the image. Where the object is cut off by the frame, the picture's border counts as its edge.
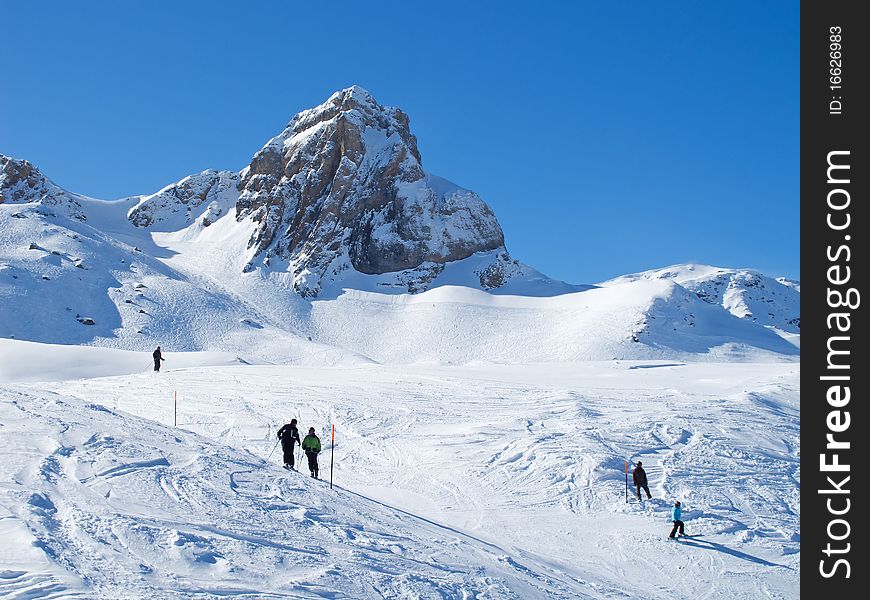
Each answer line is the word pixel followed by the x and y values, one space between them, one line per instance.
pixel 676 514
pixel 311 446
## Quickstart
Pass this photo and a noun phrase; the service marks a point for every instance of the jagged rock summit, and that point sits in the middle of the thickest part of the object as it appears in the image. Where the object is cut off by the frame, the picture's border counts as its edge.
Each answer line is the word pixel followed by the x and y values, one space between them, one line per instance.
pixel 343 186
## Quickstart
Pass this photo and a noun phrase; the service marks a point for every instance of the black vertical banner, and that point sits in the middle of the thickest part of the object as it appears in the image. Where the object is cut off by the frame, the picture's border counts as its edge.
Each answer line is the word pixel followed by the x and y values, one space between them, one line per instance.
pixel 834 272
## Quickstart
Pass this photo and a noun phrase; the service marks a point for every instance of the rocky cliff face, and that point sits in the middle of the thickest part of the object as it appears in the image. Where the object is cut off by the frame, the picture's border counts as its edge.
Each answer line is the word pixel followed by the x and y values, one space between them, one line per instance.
pixel 207 196
pixel 21 182
pixel 343 187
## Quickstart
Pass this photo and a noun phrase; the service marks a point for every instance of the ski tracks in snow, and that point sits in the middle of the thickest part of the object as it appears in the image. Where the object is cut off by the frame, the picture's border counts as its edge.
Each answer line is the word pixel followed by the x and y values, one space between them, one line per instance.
pixel 199 520
pixel 528 459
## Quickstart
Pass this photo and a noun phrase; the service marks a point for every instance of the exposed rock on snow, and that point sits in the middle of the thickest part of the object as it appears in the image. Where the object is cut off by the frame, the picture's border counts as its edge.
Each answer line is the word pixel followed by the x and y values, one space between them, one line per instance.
pixel 744 293
pixel 206 196
pixel 346 179
pixel 21 182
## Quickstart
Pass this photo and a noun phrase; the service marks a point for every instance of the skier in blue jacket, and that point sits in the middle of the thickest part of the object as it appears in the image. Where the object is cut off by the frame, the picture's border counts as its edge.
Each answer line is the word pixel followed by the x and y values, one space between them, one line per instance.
pixel 676 514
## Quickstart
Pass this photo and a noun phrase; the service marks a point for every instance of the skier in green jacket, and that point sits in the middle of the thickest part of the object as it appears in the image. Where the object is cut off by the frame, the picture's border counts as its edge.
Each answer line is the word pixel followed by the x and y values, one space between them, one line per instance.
pixel 311 445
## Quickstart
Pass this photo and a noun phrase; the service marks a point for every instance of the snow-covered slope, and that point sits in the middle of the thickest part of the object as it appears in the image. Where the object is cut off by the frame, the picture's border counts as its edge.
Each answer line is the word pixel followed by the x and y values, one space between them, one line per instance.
pixel 460 325
pixel 31 361
pixel 335 245
pixel 744 293
pixel 478 481
pixel 106 282
pixel 103 504
pixel 102 282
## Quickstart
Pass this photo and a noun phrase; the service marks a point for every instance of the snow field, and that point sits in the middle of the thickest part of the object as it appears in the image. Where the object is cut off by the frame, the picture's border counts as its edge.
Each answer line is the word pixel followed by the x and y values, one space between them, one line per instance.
pixel 528 458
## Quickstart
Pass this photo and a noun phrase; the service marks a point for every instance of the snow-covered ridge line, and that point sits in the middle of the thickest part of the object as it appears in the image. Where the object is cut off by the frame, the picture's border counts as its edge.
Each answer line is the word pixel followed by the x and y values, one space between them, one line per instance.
pixel 344 214
pixel 105 282
pixel 745 293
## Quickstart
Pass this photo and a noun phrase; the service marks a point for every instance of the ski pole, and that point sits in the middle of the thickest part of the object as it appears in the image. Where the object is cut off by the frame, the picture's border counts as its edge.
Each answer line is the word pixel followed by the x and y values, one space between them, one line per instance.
pixel 299 445
pixel 273 449
pixel 626 481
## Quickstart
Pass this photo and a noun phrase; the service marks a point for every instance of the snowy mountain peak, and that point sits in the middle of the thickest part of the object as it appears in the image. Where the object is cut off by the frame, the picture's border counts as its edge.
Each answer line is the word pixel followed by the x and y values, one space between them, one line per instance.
pixel 338 198
pixel 356 105
pixel 343 187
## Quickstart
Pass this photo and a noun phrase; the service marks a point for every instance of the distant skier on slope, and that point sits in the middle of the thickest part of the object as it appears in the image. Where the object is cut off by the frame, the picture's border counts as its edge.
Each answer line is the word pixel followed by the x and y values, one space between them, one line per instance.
pixel 158 356
pixel 639 478
pixel 311 445
pixel 676 514
pixel 289 436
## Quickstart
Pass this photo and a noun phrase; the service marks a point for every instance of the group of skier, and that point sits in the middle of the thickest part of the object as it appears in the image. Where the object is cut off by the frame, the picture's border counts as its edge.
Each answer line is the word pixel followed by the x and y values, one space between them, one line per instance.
pixel 638 476
pixel 289 436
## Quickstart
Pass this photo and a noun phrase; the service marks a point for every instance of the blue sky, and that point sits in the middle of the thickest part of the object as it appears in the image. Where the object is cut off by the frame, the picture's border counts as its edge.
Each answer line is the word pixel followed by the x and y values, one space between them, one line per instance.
pixel 608 137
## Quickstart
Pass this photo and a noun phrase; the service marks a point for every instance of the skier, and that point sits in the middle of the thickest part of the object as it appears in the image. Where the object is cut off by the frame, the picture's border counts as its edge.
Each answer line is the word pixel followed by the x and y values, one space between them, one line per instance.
pixel 639 478
pixel 158 356
pixel 676 513
pixel 289 436
pixel 311 445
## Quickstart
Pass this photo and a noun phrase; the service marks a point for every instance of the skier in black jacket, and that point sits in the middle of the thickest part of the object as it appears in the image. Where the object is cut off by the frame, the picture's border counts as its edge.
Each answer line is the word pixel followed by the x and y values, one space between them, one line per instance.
pixel 639 478
pixel 158 356
pixel 289 436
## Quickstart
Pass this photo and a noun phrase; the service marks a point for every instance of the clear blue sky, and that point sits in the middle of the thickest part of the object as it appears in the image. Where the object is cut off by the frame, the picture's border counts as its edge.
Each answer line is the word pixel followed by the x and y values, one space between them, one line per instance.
pixel 609 137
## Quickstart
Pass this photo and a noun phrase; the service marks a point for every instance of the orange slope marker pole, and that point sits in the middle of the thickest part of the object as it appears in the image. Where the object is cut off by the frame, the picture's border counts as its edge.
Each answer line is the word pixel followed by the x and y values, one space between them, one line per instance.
pixel 332 456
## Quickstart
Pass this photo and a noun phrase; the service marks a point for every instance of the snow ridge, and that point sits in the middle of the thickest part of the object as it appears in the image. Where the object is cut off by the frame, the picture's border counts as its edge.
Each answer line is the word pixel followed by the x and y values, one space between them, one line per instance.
pixel 745 293
pixel 260 263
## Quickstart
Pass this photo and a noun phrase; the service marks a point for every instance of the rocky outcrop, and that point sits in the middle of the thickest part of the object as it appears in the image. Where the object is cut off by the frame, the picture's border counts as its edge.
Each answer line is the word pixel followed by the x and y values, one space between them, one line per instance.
pixel 344 182
pixel 21 182
pixel 206 196
pixel 744 293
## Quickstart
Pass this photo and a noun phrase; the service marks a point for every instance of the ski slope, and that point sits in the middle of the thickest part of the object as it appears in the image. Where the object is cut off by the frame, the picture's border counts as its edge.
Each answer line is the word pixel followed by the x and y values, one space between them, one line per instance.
pixel 105 282
pixel 481 480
